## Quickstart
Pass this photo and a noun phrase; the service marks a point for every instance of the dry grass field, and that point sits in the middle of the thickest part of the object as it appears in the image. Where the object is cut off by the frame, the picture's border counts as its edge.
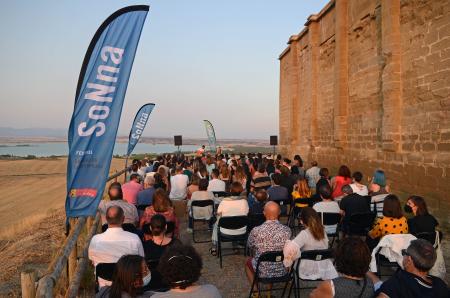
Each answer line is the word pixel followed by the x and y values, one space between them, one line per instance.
pixel 32 195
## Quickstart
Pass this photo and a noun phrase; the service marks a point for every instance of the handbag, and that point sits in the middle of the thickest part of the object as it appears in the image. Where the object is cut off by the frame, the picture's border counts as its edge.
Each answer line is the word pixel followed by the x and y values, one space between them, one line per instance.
pixel 438 269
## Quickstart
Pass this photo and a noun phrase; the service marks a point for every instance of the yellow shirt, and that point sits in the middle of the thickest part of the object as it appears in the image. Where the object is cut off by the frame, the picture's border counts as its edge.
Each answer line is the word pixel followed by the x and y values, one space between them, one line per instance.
pixel 388 225
pixel 296 195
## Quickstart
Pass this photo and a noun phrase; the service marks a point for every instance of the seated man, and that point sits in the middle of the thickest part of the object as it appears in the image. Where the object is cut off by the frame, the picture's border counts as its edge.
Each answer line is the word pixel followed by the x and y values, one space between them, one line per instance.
pixel 109 246
pixel 352 203
pixel 414 281
pixel 215 184
pixel 131 189
pixel 178 185
pixel 116 197
pixel 270 236
pixel 277 192
pixel 145 196
pixel 256 203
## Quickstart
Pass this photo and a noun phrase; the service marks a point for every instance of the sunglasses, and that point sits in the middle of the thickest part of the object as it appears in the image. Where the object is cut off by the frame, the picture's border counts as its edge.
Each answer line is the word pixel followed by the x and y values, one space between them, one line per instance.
pixel 405 253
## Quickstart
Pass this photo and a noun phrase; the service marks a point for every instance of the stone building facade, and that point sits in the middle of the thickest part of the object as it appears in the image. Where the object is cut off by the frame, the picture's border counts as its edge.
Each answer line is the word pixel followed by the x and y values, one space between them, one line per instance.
pixel 366 83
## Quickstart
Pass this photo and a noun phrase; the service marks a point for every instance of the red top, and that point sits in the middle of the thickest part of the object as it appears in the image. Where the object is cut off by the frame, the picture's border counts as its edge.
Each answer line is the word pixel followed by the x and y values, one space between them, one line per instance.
pixel 340 181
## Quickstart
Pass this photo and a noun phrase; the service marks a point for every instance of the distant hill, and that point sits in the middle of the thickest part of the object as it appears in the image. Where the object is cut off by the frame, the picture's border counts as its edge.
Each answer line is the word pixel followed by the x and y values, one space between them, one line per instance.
pixel 32 132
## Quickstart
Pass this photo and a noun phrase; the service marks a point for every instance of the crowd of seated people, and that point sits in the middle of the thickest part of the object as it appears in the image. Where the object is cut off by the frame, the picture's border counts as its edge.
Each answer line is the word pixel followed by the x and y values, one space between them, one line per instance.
pixel 142 226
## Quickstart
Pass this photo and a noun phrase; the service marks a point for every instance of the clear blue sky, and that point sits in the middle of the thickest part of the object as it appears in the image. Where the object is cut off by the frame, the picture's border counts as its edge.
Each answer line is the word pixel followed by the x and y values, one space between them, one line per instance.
pixel 196 60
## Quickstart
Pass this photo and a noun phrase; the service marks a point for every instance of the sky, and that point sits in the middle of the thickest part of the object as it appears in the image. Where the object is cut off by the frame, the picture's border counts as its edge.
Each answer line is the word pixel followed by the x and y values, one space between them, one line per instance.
pixel 199 59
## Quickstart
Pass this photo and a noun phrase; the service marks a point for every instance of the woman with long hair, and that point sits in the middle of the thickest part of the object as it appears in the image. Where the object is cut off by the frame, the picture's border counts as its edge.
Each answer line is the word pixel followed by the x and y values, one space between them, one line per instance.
pixel 161 205
pixel 311 238
pixel 130 276
pixel 301 191
pixel 422 221
pixel 343 178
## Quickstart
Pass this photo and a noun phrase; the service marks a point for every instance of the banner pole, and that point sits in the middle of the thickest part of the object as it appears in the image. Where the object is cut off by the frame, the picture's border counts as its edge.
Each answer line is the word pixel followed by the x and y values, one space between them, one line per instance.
pixel 126 166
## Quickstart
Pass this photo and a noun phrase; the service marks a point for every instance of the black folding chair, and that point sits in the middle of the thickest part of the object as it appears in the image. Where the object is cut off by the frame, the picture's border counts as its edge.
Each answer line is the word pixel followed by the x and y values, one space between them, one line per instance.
pixel 360 224
pixel 313 255
pixel 275 257
pixel 142 207
pixel 221 194
pixel 430 236
pixel 200 204
pixel 231 223
pixel 129 227
pixel 295 211
pixel 286 203
pixel 382 261
pixel 254 220
pixel 331 219
pixel 104 271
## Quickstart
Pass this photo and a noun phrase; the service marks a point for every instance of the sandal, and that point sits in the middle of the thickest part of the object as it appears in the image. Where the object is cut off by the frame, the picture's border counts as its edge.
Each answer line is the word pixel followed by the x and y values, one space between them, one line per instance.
pixel 213 251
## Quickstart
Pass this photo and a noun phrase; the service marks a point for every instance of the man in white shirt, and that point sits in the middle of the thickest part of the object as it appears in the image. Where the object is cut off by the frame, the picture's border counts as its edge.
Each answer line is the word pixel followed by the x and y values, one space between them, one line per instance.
pixel 312 174
pixel 215 184
pixel 178 185
pixel 357 186
pixel 109 246
pixel 327 205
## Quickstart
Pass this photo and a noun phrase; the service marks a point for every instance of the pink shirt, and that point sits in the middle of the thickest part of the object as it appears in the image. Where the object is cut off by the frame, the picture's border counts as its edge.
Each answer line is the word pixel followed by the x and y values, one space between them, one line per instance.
pixel 130 191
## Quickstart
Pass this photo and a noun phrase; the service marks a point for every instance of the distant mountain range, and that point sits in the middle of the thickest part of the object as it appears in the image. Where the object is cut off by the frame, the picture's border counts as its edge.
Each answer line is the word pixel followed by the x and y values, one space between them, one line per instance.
pixel 9 134
pixel 32 132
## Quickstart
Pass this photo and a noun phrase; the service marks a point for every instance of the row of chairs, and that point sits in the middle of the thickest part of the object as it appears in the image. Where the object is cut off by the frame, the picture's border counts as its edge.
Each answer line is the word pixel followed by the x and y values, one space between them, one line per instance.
pixel 292 277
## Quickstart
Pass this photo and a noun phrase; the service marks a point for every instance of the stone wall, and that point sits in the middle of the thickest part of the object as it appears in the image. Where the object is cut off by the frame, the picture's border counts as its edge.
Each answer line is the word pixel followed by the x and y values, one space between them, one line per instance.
pixel 367 83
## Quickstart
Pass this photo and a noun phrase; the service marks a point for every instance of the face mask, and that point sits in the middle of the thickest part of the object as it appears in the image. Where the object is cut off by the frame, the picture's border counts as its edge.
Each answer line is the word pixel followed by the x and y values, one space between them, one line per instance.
pixel 147 278
pixel 408 209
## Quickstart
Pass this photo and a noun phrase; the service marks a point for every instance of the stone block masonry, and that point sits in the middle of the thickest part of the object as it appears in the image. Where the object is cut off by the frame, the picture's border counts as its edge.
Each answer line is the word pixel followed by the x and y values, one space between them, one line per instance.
pixel 366 83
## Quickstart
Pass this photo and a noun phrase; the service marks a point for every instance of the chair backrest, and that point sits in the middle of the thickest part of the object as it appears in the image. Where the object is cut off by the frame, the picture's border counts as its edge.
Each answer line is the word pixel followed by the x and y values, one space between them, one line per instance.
pixel 329 219
pixel 255 219
pixel 170 227
pixel 317 254
pixel 361 221
pixel 105 271
pixel 129 227
pixel 306 201
pixel 285 202
pixel 430 236
pixel 147 229
pixel 220 194
pixel 269 256
pixel 142 207
pixel 377 203
pixel 233 222
pixel 202 203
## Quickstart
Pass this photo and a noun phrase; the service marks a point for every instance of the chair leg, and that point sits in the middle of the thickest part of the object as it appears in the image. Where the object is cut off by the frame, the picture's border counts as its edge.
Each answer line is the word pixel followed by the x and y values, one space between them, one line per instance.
pixel 219 250
pixel 251 288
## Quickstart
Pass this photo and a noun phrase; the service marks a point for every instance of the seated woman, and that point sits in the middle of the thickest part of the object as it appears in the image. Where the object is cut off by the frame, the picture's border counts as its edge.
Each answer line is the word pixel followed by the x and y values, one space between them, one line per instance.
pixel 352 262
pixel 392 221
pixel 311 238
pixel 422 222
pixel 180 267
pixel 159 242
pixel 343 178
pixel 130 277
pixel 200 212
pixel 193 187
pixel 259 201
pixel 301 191
pixel 161 205
pixel 236 205
pixel 378 184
